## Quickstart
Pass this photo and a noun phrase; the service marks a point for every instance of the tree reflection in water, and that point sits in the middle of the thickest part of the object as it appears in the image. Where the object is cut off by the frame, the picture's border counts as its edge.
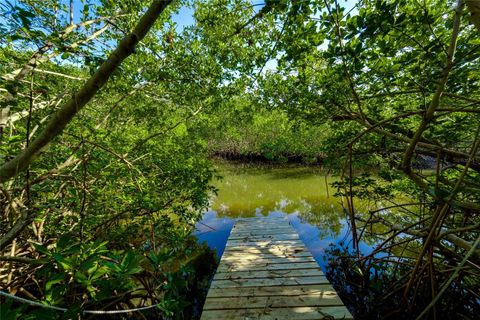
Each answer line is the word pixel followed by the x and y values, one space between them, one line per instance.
pixel 367 286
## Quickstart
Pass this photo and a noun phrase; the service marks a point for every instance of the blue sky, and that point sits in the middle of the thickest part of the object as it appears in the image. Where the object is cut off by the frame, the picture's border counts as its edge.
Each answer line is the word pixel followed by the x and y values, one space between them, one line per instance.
pixel 185 18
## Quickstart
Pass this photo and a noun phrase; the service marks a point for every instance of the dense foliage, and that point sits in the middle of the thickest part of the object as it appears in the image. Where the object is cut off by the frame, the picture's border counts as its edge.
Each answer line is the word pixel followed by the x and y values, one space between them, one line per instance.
pixel 264 135
pixel 105 142
pixel 102 220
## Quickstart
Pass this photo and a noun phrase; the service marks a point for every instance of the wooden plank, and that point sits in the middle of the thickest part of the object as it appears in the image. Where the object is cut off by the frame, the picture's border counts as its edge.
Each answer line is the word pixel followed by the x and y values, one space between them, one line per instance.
pixel 266 254
pixel 260 231
pixel 283 281
pixel 240 233
pixel 290 250
pixel 264 237
pixel 252 259
pixel 267 274
pixel 227 267
pixel 317 289
pixel 250 253
pixel 248 258
pixel 295 313
pixel 272 302
pixel 264 243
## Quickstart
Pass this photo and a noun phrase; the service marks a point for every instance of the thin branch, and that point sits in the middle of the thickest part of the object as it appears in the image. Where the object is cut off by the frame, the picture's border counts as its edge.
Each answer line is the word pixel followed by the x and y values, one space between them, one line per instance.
pixel 58 74
pixel 429 114
pixel 23 260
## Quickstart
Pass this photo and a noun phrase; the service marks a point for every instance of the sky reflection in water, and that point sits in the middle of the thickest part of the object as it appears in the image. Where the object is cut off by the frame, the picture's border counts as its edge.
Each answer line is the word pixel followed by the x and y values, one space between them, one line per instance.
pixel 300 193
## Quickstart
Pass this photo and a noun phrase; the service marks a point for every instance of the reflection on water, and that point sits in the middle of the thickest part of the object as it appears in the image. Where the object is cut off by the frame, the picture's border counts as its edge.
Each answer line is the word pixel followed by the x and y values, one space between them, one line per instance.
pixel 250 190
pixel 301 193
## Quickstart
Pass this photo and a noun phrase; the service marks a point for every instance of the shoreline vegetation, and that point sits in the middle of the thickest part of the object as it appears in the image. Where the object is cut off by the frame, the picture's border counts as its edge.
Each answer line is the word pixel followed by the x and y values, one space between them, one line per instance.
pixel 421 162
pixel 261 158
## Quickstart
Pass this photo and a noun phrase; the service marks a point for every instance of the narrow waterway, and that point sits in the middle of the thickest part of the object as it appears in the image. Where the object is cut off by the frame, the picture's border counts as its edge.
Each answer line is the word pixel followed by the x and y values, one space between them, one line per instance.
pixel 303 194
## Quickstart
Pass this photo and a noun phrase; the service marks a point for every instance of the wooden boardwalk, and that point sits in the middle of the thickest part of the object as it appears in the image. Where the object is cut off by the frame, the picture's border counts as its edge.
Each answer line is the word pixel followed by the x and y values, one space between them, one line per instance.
pixel 266 272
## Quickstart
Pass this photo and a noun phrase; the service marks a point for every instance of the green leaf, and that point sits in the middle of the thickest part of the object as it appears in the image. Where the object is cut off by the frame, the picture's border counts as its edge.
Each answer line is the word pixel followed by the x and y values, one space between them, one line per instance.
pixel 57 278
pixel 81 278
pixel 64 242
pixel 41 248
pixel 130 263
pixel 64 263
pixel 99 272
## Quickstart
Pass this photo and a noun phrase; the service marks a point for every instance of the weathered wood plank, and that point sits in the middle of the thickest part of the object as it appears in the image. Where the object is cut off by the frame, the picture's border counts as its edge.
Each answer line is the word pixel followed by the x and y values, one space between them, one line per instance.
pixel 272 302
pixel 228 267
pixel 272 250
pixel 267 274
pixel 252 259
pixel 295 313
pixel 264 243
pixel 262 259
pixel 263 237
pixel 321 289
pixel 252 253
pixel 283 281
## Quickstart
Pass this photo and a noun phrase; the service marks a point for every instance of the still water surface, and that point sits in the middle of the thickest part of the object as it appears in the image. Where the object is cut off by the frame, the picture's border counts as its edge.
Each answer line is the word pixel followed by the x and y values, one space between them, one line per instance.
pixel 303 194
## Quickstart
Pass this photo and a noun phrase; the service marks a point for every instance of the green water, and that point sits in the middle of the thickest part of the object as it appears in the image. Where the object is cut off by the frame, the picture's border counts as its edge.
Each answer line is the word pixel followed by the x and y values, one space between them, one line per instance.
pixel 249 190
pixel 302 194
